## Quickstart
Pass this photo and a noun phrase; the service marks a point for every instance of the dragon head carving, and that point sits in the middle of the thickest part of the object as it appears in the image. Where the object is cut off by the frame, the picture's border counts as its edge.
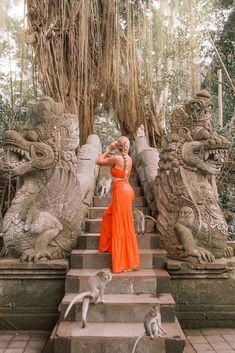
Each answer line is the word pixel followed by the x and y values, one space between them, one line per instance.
pixel 54 189
pixel 193 143
pixel 190 220
pixel 48 136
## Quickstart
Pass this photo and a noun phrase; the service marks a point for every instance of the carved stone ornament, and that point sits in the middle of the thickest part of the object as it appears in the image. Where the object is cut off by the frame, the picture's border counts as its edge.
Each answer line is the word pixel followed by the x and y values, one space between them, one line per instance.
pixel 190 221
pixel 146 163
pixel 54 186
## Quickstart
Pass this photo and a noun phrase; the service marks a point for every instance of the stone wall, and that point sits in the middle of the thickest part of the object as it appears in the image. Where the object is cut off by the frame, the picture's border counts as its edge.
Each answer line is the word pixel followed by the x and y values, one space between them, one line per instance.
pixel 30 293
pixel 204 296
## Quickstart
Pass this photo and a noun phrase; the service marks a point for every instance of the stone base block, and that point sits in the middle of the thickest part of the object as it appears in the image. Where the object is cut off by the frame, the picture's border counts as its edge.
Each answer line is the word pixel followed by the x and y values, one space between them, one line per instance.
pixel 31 293
pixel 204 294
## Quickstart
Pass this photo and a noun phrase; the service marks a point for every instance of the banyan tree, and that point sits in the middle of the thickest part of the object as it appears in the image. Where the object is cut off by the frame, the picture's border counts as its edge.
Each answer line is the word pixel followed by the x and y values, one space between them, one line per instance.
pixel 89 52
pixel 130 57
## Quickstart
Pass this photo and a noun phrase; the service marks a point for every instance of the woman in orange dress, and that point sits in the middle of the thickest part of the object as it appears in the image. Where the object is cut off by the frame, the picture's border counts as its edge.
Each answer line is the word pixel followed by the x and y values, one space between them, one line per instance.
pixel 117 231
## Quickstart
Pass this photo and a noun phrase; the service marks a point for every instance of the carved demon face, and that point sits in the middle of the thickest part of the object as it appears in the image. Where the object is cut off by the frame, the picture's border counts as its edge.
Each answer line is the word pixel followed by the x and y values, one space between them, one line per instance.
pixel 45 134
pixel 23 156
pixel 208 156
pixel 197 145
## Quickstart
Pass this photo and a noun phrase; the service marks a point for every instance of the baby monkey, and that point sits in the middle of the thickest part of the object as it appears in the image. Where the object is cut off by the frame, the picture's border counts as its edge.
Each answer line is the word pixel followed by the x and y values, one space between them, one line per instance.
pixel 104 186
pixel 139 219
pixel 95 294
pixel 152 325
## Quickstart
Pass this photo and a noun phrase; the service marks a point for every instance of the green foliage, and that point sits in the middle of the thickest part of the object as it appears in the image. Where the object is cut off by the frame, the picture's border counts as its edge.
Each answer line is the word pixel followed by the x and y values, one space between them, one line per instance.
pixel 226 47
pixel 164 55
pixel 17 88
pixel 11 116
pixel 181 43
pixel 226 188
pixel 106 127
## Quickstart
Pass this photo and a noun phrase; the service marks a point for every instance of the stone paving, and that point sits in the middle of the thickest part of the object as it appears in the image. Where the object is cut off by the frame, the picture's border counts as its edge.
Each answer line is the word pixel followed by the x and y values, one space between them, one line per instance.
pixel 22 341
pixel 199 341
pixel 210 340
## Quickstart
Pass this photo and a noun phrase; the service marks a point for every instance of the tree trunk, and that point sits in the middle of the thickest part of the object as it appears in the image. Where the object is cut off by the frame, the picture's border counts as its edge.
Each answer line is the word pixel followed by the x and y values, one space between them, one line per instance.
pixel 85 58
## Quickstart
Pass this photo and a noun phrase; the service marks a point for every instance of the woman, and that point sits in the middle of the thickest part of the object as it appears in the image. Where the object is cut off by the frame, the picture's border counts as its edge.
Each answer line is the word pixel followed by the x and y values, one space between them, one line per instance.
pixel 117 230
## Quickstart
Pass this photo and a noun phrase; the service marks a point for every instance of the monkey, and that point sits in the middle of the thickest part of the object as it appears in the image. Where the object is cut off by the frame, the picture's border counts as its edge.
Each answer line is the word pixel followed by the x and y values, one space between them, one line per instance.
pixel 152 325
pixel 104 186
pixel 139 219
pixel 140 131
pixel 95 294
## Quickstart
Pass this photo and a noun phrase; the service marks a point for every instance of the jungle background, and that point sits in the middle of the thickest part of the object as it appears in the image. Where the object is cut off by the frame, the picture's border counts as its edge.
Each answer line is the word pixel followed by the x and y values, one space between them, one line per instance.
pixel 119 64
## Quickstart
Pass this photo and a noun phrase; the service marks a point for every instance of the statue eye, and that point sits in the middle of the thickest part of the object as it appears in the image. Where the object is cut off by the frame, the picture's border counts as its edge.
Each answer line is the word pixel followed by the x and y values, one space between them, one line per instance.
pixel 31 135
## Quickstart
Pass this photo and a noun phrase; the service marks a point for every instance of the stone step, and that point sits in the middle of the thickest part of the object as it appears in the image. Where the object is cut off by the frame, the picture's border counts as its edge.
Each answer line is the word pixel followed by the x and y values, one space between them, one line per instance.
pixel 94 225
pixel 133 180
pixel 116 338
pixel 137 190
pixel 149 258
pixel 139 201
pixel 91 241
pixel 97 212
pixel 144 281
pixel 121 308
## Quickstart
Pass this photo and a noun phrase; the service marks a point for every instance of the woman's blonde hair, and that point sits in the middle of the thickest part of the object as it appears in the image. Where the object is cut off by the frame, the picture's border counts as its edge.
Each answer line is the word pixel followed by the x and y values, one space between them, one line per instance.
pixel 123 145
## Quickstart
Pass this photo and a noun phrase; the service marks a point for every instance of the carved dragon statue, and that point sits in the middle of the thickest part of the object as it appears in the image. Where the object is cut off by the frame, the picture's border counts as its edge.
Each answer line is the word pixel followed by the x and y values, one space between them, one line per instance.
pixel 54 188
pixel 190 221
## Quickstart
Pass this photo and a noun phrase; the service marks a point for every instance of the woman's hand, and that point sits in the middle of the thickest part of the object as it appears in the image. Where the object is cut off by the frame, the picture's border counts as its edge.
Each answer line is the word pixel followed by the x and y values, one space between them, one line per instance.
pixel 104 159
pixel 111 147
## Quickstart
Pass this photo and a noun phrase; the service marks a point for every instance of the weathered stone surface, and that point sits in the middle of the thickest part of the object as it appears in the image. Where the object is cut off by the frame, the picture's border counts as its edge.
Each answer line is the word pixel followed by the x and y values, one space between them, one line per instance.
pixel 149 258
pixel 204 297
pixel 91 241
pixel 122 308
pixel 232 244
pixel 94 225
pixel 143 281
pixel 190 221
pixel 55 189
pixel 146 164
pixel 31 293
pixel 115 338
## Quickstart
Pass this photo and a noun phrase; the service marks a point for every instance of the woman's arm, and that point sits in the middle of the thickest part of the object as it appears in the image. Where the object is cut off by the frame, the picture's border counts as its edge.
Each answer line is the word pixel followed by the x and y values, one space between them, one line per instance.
pixel 103 160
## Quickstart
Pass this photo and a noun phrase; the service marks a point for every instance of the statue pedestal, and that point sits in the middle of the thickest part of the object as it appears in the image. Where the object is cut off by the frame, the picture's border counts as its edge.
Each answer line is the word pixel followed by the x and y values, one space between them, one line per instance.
pixel 204 293
pixel 30 293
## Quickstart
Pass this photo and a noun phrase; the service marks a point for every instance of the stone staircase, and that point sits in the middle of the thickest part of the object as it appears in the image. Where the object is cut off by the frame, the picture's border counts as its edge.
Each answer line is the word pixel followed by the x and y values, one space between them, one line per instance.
pixel 114 326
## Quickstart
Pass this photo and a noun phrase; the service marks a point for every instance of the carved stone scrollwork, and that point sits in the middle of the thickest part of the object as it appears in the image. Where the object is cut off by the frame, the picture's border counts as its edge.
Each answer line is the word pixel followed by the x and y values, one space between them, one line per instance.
pixel 46 213
pixel 190 221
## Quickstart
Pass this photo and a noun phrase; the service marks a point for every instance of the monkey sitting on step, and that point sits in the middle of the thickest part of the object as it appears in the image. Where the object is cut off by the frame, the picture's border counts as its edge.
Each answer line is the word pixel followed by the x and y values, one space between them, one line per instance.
pixel 95 294
pixel 139 219
pixel 152 325
pixel 104 186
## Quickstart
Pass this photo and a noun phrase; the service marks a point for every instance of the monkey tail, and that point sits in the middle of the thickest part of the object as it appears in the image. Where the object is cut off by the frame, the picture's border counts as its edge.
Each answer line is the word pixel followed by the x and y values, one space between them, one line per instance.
pixel 85 307
pixel 147 216
pixel 137 340
pixel 76 299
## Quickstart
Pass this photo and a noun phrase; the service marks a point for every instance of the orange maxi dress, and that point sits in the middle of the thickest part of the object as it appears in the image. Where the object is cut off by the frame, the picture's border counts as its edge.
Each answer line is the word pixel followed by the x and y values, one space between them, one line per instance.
pixel 117 231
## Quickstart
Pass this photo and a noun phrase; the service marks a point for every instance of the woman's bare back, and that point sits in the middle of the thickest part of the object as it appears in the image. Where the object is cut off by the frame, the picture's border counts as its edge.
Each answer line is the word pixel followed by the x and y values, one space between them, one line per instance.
pixel 119 163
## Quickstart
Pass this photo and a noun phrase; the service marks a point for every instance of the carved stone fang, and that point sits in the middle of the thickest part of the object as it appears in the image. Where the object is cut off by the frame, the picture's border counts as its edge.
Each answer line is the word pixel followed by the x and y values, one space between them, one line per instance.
pixel 207 153
pixel 32 152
